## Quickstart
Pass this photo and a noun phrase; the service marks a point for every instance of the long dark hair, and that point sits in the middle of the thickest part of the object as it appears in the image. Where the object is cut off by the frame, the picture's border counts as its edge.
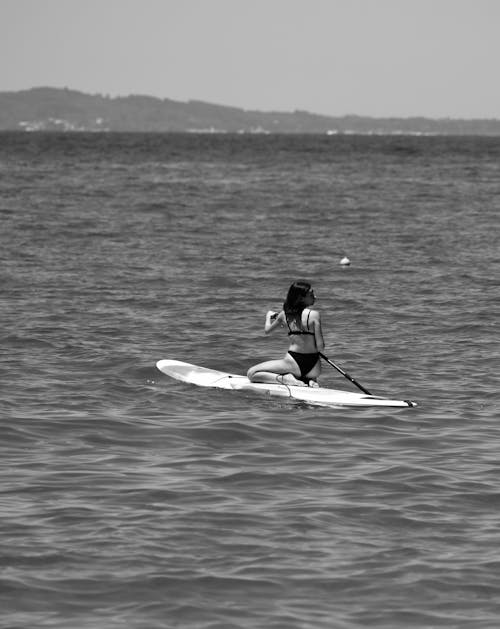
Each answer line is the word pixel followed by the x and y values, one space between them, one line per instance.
pixel 294 302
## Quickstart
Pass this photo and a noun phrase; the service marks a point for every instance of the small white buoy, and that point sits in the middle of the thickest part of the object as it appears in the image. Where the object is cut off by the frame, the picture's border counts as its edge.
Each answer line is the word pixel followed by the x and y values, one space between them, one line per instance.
pixel 345 261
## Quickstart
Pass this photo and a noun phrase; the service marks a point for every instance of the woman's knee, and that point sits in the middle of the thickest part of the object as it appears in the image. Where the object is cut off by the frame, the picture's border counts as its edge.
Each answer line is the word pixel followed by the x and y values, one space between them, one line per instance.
pixel 252 371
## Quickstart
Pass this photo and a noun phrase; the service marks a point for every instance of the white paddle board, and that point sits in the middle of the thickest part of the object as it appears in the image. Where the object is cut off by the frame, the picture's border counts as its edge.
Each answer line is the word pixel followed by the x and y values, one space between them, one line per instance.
pixel 204 377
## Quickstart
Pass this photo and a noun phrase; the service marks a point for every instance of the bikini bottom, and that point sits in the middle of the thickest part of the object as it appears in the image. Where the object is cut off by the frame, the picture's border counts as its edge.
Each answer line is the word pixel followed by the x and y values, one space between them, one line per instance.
pixel 305 362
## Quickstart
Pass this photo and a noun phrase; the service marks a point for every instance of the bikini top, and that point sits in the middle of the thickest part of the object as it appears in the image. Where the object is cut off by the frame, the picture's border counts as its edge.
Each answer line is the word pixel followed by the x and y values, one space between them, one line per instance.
pixel 291 332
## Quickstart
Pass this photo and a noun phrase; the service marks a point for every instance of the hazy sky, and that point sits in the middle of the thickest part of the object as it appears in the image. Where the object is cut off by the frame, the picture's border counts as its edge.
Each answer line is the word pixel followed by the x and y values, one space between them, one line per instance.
pixel 435 58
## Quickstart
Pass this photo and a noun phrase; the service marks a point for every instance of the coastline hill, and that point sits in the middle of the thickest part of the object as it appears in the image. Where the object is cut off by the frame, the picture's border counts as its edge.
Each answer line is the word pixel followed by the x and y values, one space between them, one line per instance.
pixel 54 109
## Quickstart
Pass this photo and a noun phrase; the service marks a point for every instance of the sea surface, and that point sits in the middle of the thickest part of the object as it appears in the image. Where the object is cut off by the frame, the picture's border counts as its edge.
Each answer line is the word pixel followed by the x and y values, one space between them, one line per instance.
pixel 131 500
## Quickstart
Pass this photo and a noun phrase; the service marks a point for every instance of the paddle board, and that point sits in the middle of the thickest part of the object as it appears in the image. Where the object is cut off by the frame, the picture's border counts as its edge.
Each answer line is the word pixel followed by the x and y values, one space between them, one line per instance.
pixel 204 377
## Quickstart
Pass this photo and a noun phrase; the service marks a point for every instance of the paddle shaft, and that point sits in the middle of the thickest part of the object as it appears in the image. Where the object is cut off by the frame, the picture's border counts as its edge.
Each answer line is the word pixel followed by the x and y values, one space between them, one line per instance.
pixel 346 375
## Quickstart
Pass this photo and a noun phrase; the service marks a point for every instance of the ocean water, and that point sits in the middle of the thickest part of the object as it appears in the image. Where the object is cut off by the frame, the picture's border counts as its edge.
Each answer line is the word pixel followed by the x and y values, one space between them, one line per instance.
pixel 132 500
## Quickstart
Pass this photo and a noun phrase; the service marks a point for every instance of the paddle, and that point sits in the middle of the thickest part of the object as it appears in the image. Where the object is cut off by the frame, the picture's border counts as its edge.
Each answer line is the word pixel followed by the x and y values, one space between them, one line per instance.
pixel 346 375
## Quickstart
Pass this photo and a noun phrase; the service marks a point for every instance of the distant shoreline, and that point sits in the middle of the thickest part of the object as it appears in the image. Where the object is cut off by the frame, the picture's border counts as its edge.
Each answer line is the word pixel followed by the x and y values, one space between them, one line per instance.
pixel 233 134
pixel 63 110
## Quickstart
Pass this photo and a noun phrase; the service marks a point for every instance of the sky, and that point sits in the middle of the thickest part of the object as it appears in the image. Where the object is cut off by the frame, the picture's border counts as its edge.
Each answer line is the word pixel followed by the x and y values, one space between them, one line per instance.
pixel 382 58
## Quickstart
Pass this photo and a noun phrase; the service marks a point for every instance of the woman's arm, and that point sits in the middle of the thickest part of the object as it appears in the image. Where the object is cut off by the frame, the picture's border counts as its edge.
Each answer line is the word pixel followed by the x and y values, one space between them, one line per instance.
pixel 318 332
pixel 273 320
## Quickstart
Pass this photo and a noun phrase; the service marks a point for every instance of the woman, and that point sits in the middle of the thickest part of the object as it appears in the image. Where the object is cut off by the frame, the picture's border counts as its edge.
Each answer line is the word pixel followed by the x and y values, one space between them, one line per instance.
pixel 301 365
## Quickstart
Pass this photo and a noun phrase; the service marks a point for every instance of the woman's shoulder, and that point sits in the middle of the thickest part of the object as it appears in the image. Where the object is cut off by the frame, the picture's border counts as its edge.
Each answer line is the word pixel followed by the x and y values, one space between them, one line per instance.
pixel 310 314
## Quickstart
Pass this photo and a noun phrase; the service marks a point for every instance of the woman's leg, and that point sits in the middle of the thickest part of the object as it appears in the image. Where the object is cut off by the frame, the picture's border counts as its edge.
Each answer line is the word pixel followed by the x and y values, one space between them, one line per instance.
pixel 269 370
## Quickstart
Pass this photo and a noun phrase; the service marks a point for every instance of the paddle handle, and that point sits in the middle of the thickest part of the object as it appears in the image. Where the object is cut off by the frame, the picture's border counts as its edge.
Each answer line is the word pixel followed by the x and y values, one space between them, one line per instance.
pixel 345 374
